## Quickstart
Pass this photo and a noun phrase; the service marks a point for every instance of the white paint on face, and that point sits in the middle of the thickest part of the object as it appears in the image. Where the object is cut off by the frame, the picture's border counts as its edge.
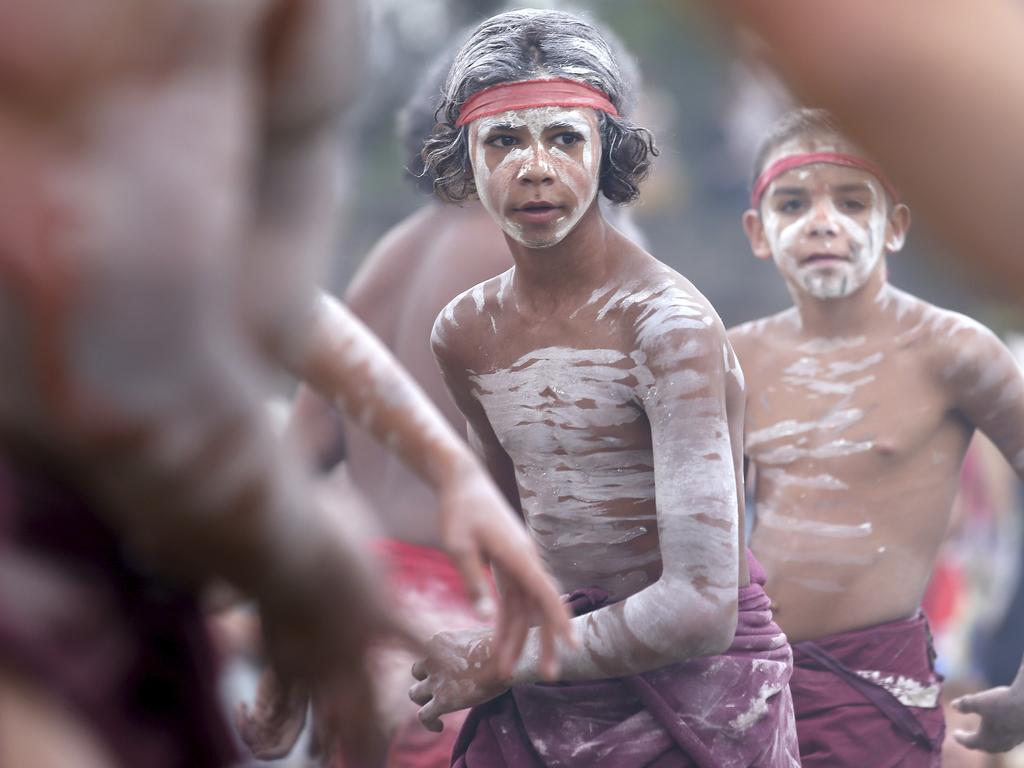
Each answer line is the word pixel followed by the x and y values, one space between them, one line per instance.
pixel 537 168
pixel 791 243
pixel 825 224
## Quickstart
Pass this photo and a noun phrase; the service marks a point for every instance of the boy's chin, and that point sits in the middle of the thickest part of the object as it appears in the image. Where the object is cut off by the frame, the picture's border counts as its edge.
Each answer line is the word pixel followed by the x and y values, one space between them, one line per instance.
pixel 831 287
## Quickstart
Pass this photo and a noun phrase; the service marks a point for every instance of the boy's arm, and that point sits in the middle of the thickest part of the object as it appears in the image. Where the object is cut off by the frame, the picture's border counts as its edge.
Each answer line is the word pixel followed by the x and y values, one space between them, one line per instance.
pixel 345 362
pixel 744 345
pixel 691 610
pixel 987 388
pixel 1002 717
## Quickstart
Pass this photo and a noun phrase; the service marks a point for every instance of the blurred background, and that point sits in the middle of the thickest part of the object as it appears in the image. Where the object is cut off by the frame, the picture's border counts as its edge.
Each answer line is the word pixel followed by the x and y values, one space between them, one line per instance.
pixel 707 99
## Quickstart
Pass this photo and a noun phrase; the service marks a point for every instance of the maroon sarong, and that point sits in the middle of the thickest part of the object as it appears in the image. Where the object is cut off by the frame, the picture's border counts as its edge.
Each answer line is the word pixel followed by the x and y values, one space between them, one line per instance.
pixel 728 711
pixel 853 693
pixel 128 654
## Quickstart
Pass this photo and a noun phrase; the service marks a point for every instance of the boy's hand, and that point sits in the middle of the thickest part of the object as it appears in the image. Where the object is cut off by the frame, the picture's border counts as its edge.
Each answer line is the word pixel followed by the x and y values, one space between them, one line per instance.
pixel 1002 719
pixel 477 525
pixel 317 628
pixel 272 727
pixel 458 672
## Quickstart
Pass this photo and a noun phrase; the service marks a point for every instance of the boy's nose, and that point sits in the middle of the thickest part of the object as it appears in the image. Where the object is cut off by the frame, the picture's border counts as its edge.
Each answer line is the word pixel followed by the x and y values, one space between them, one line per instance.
pixel 821 222
pixel 536 168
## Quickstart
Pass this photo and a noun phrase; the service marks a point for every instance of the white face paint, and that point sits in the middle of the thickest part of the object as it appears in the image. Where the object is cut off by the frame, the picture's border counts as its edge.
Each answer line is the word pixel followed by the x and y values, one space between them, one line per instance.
pixel 825 224
pixel 536 170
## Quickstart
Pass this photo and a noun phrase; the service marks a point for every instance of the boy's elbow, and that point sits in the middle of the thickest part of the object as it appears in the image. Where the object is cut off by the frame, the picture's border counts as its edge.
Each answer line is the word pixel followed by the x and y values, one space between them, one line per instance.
pixel 711 629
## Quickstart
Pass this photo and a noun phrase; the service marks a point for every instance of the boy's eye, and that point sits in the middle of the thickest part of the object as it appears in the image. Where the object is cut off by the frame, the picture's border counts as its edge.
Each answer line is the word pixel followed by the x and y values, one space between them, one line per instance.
pixel 568 138
pixel 502 140
pixel 852 205
pixel 792 205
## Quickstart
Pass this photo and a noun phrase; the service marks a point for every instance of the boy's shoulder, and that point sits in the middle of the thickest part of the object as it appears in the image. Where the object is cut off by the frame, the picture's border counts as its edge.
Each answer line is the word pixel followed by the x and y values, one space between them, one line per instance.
pixel 773 330
pixel 654 299
pixel 940 331
pixel 472 315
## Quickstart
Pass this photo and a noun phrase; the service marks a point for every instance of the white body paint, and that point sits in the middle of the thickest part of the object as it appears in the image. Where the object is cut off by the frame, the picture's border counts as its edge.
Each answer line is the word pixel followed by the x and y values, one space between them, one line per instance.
pixel 572 181
pixel 833 279
pixel 854 243
pixel 546 407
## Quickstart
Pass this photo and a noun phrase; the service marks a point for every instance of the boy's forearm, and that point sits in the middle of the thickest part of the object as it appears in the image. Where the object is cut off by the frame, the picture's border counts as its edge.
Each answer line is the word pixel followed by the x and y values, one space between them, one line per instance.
pixel 350 366
pixel 658 626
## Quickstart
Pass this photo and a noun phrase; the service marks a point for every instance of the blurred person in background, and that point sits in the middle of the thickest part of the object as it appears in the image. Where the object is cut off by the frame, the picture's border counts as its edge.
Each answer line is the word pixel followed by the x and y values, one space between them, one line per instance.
pixel 935 93
pixel 860 396
pixel 147 285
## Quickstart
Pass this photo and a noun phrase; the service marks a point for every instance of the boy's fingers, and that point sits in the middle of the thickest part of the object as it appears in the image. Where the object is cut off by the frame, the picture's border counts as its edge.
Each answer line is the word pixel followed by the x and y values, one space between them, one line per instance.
pixel 549 666
pixel 421 693
pixel 524 569
pixel 471 568
pixel 430 717
pixel 968 739
pixel 512 643
pixel 419 669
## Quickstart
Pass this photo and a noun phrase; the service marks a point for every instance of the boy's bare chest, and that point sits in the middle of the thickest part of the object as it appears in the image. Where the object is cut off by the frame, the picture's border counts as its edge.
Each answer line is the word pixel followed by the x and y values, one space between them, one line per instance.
pixel 862 406
pixel 566 401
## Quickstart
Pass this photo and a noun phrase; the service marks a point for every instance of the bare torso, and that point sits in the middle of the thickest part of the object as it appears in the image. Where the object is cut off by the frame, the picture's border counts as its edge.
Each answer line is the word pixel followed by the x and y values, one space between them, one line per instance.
pixel 855 443
pixel 564 393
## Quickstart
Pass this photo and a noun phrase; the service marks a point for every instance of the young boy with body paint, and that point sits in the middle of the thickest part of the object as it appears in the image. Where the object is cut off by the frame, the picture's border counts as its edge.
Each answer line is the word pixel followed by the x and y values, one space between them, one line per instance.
pixel 862 400
pixel 601 390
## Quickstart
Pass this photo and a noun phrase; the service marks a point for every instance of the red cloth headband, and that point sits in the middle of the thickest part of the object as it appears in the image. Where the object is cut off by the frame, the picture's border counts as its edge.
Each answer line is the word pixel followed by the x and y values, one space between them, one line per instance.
pixel 784 164
pixel 557 92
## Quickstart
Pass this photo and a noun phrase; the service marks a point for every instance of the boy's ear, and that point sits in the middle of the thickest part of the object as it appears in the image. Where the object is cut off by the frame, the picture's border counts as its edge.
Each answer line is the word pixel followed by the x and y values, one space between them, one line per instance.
pixel 754 228
pixel 896 228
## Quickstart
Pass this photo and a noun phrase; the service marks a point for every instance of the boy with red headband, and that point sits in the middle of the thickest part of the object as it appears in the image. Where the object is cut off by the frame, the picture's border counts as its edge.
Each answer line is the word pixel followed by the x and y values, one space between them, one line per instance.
pixel 601 390
pixel 862 400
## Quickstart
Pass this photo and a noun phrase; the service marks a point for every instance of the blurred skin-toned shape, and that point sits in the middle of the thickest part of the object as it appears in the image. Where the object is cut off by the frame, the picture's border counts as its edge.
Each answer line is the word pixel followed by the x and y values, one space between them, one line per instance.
pixel 933 91
pixel 167 192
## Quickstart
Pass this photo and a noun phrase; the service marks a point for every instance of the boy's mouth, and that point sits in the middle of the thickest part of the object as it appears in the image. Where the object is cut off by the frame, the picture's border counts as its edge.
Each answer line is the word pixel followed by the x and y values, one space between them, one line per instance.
pixel 824 258
pixel 538 211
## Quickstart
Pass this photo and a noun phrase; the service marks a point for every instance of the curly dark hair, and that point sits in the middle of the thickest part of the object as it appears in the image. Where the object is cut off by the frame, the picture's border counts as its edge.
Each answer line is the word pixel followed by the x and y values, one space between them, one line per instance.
pixel 529 44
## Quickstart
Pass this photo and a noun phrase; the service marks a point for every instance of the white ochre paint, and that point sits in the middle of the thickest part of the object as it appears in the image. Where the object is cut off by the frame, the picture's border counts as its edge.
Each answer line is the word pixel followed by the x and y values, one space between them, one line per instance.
pixel 540 168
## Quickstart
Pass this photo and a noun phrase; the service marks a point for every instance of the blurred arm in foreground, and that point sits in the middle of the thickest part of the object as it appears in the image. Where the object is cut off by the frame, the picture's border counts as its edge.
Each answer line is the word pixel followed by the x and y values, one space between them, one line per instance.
pixel 933 91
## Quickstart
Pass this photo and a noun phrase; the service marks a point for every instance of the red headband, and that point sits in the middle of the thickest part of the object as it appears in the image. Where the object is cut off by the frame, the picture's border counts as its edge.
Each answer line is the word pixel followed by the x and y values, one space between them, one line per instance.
pixel 557 92
pixel 779 167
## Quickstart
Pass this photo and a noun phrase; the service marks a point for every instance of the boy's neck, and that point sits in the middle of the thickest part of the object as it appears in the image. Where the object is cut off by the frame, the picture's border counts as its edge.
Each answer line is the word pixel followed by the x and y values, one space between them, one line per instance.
pixel 546 278
pixel 858 314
